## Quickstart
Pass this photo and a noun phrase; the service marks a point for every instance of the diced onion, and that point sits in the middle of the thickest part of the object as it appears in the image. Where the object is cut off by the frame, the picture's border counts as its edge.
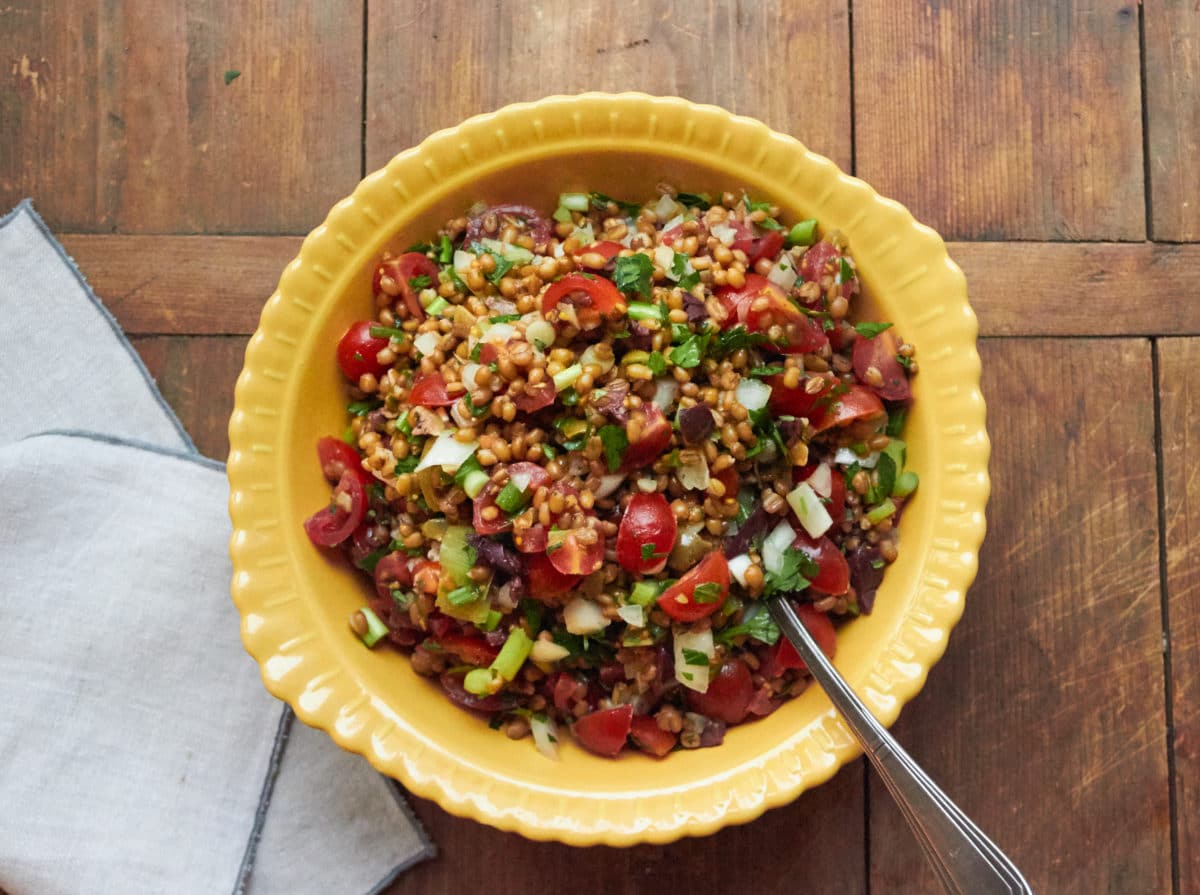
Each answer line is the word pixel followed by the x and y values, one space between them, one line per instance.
pixel 427 342
pixel 461 416
pixel 671 224
pixel 585 236
pixel 499 333
pixel 738 566
pixel 573 201
pixel 821 480
pixel 694 476
pixel 447 452
pixel 752 393
pixel 547 652
pixel 608 484
pixel 591 356
pixel 665 207
pixel 541 334
pixel 468 375
pixel 847 457
pixel 521 480
pixel 633 615
pixel 666 392
pixel 694 677
pixel 776 544
pixel 783 274
pixel 809 510
pixel 545 735
pixel 724 233
pixel 646 486
pixel 664 257
pixel 462 261
pixel 582 616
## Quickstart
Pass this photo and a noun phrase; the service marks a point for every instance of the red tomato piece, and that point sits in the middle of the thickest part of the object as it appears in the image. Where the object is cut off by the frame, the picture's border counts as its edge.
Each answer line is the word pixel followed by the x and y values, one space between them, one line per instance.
pixel 736 302
pixel 837 497
pixel 794 401
pixel 648 523
pixel 678 600
pixel 568 692
pixel 766 246
pixel 744 235
pixel 392 571
pixel 822 259
pixel 649 737
pixel 336 457
pixel 728 695
pixel 784 656
pixel 357 351
pixel 593 297
pixel 331 525
pixel 605 247
pixel 656 435
pixel 546 583
pixel 430 391
pixel 572 557
pixel 880 353
pixel 471 649
pixel 833 572
pixel 400 271
pixel 802 334
pixel 859 403
pixel 532 540
pixel 534 397
pixel 487 497
pixel 604 732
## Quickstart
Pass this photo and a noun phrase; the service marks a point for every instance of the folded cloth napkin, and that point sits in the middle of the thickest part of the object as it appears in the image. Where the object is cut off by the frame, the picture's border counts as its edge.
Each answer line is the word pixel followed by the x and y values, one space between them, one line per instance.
pixel 139 751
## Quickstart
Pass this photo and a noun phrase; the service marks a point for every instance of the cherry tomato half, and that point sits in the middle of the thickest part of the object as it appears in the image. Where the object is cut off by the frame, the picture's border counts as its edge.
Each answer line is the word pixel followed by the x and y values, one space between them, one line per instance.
pixel 401 271
pixel 736 302
pixel 534 397
pixel 880 353
pixel 430 391
pixel 392 571
pixel 859 403
pixel 729 693
pixel 357 351
pixel 649 737
pixel 833 572
pixel 336 457
pixel 532 540
pixel 656 435
pixel 766 246
pixel 678 600
pixel 606 247
pixel 795 401
pixel 331 525
pixel 647 534
pixel 546 583
pixel 471 649
pixel 771 307
pixel 604 732
pixel 593 296
pixel 822 259
pixel 572 556
pixel 784 656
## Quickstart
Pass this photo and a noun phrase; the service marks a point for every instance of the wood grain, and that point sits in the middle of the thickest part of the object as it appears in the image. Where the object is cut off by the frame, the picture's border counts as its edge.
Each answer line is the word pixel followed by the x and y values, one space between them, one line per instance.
pixel 215 285
pixel 1172 29
pixel 196 375
pixel 813 845
pixel 1002 119
pixel 430 66
pixel 1045 720
pixel 117 117
pixel 1179 389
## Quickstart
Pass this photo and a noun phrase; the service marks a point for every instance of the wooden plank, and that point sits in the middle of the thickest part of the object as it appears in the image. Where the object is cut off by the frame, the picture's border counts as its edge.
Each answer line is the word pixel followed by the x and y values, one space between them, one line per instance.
pixel 1045 720
pixel 752 58
pixel 183 284
pixel 214 285
pixel 117 116
pixel 997 119
pixel 817 839
pixel 1172 29
pixel 1179 389
pixel 196 375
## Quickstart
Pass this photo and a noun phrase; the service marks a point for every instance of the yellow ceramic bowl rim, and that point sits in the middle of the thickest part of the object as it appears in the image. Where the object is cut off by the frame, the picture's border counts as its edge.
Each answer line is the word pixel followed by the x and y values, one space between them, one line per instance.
pixel 292 659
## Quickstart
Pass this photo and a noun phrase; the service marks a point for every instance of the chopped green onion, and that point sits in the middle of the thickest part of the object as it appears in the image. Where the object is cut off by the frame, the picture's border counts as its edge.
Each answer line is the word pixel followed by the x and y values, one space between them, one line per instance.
pixel 479 682
pixel 387 332
pixel 513 654
pixel 511 499
pixel 376 629
pixel 646 592
pixel 895 424
pixel 446 251
pixel 461 596
pixel 562 215
pixel 492 620
pixel 881 512
pixel 896 449
pixel 566 378
pixel 436 307
pixel 574 201
pixel 803 233
pixel 474 482
pixel 906 484
pixel 644 310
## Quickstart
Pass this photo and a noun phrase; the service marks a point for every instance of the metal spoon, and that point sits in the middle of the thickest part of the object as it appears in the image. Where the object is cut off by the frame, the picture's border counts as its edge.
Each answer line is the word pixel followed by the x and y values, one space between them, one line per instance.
pixel 964 860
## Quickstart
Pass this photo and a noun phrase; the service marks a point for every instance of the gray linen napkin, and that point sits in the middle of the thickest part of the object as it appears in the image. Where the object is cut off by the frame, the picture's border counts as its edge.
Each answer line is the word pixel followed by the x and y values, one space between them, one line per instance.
pixel 139 751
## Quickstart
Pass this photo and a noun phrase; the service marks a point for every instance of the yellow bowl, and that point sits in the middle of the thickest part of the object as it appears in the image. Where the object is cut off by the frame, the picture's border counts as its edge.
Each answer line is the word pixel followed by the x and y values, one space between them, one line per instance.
pixel 294 601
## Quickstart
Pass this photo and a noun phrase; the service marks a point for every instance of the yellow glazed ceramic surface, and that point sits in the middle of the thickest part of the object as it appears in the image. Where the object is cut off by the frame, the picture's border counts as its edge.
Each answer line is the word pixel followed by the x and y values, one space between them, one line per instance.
pixel 295 600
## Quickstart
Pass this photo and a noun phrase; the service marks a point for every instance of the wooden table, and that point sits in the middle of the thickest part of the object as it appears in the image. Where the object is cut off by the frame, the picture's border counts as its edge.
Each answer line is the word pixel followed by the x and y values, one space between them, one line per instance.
pixel 1054 144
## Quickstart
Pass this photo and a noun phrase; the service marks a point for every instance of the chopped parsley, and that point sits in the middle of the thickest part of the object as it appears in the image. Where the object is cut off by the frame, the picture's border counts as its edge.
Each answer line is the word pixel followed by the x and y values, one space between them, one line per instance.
pixel 694 200
pixel 871 330
pixel 708 592
pixel 615 442
pixel 231 75
pixel 421 282
pixel 884 480
pixel 649 553
pixel 475 411
pixel 730 340
pixel 407 465
pixel 770 224
pixel 763 372
pixel 421 248
pixel 632 274
pixel 362 408
pixel 695 657
pixel 895 423
pixel 601 202
pixel 504 318
pixel 503 265
pixel 532 610
pixel 689 353
pixel 657 363
pixel 752 207
pixel 761 627
pixel 905 362
pixel 795 574
pixel 845 271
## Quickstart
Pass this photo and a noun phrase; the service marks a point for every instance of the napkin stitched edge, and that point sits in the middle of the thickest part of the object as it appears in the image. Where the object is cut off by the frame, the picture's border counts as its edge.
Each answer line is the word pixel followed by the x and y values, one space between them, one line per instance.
pixel 26 205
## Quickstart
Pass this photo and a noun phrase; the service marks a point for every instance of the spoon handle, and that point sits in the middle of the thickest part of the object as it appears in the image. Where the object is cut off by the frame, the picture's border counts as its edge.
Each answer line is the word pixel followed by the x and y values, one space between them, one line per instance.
pixel 965 861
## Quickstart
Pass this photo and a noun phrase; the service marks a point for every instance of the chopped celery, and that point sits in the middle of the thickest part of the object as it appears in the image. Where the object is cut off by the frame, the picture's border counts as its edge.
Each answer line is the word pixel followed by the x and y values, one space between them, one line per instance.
pixel 457 555
pixel 646 592
pixel 562 215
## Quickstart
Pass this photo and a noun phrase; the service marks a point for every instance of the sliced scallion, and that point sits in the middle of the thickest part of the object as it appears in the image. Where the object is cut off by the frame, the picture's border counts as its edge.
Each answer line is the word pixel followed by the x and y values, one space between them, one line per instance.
pixel 387 332
pixel 906 484
pixel 566 378
pixel 644 310
pixel 437 307
pixel 513 654
pixel 511 499
pixel 376 629
pixel 803 233
pixel 881 512
pixel 574 201
pixel 480 682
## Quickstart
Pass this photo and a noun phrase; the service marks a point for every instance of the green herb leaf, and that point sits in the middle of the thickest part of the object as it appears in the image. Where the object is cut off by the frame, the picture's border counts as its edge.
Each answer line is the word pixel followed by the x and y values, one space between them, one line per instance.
pixel 708 592
pixel 895 423
pixel 845 271
pixel 795 574
pixel 679 264
pixel 362 408
pixel 407 465
pixel 615 442
pixel 761 627
pixel 445 250
pixel 763 372
pixel 231 75
pixel 632 274
pixel 600 202
pixel 885 479
pixel 504 318
pixel 688 354
pixel 657 363
pixel 871 330
pixel 461 596
pixel 475 411
pixel 421 248
pixel 471 464
pixel 730 340
pixel 695 657
pixel 905 362
pixel 680 332
pixel 532 610
pixel 649 553
pixel 549 451
pixel 694 200
pixel 755 206
pixel 688 283
pixel 770 224
pixel 421 282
